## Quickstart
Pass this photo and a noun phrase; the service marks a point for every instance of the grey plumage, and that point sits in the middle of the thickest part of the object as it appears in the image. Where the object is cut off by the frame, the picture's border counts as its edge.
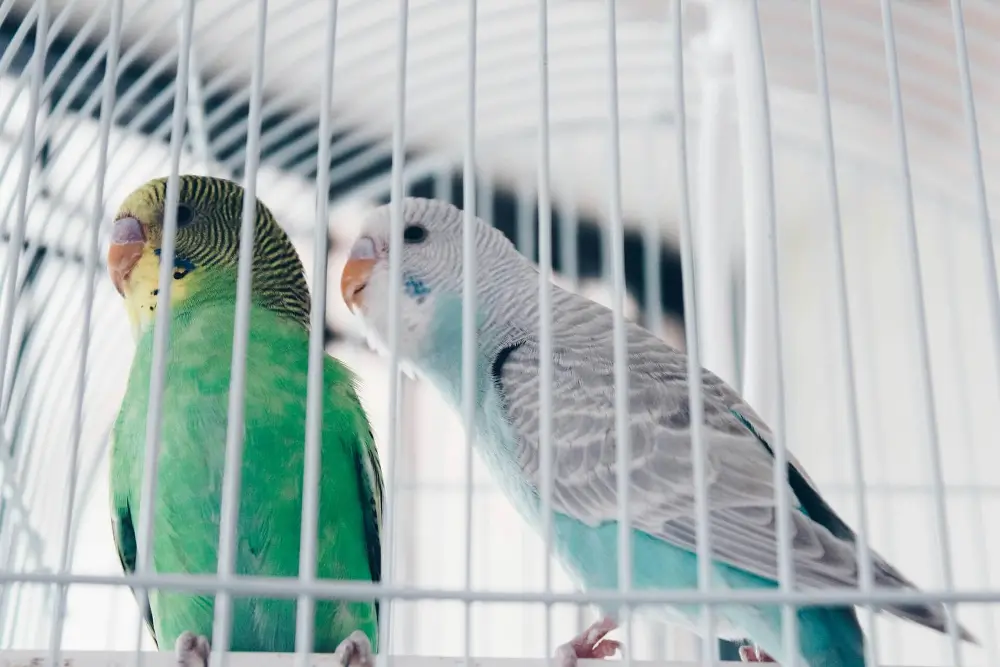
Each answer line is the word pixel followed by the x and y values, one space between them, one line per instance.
pixel 739 468
pixel 739 462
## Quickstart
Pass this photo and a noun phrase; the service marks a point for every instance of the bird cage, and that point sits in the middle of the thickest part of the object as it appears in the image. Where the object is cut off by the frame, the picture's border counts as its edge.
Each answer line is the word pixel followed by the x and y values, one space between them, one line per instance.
pixel 795 192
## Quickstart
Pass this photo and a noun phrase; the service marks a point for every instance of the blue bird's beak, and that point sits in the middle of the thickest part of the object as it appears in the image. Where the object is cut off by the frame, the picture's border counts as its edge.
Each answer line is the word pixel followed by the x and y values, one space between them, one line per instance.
pixel 357 271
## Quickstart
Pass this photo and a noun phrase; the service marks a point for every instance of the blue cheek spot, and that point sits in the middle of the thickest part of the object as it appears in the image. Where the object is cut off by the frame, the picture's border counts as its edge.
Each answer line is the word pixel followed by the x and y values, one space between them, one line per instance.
pixel 183 264
pixel 180 263
pixel 415 288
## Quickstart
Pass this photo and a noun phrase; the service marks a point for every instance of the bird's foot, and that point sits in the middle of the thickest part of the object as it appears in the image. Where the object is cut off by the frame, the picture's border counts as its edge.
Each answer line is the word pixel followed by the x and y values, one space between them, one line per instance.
pixel 754 654
pixel 355 651
pixel 590 644
pixel 192 651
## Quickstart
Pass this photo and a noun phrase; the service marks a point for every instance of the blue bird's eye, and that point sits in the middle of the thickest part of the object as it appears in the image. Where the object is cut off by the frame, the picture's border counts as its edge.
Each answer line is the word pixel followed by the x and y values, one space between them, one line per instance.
pixel 414 234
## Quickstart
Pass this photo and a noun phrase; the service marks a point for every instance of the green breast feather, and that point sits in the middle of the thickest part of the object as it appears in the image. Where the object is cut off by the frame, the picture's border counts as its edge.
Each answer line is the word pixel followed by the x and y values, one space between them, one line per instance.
pixel 189 488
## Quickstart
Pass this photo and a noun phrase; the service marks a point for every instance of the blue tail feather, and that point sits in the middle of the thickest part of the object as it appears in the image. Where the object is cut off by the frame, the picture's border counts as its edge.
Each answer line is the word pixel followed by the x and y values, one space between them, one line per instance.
pixel 828 636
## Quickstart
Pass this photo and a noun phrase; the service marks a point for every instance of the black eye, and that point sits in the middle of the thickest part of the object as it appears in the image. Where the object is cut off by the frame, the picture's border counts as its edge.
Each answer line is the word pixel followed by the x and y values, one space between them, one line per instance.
pixel 185 216
pixel 414 234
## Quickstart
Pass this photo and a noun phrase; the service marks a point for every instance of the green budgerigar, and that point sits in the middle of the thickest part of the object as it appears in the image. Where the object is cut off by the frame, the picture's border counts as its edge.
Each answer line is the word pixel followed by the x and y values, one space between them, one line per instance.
pixel 187 508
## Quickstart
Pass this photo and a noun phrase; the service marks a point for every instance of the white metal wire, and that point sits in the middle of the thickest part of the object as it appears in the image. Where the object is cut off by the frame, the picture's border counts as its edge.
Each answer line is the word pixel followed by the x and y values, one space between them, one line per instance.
pixel 699 452
pixel 985 226
pixel 469 320
pixel 395 283
pixel 232 471
pixel 762 359
pixel 161 326
pixel 866 576
pixel 916 281
pixel 306 608
pixel 545 346
pixel 623 451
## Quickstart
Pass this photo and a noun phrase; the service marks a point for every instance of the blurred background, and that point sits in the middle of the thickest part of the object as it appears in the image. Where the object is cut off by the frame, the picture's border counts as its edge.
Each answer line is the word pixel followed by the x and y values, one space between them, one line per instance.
pixel 948 209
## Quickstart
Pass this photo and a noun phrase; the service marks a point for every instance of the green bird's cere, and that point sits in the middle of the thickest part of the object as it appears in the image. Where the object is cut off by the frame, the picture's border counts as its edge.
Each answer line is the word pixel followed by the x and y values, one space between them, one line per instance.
pixel 186 514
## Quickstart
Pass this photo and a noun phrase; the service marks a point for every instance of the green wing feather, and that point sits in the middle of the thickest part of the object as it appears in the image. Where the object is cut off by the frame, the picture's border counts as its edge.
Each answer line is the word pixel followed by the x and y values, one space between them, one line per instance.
pixel 372 498
pixel 123 531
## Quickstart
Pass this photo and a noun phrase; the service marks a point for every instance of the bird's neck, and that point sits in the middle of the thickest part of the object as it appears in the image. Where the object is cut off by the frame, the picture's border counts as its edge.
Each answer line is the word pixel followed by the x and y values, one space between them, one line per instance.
pixel 204 287
pixel 441 358
pixel 508 299
pixel 507 313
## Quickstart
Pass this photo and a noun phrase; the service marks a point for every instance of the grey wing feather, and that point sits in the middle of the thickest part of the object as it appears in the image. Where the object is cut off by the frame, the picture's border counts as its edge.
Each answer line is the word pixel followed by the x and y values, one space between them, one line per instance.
pixel 739 462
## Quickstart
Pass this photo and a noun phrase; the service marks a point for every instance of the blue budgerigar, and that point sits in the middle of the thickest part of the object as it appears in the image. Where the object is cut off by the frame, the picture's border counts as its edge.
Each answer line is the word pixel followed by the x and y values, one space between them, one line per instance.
pixel 739 461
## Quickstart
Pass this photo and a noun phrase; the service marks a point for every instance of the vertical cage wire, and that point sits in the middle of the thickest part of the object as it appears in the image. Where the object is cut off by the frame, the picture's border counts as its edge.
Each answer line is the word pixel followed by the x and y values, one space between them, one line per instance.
pixel 161 326
pixel 623 452
pixel 763 381
pixel 545 345
pixel 696 405
pixel 236 417
pixel 397 190
pixel 987 245
pixel 469 387
pixel 986 242
pixel 305 612
pixel 866 577
pixel 915 279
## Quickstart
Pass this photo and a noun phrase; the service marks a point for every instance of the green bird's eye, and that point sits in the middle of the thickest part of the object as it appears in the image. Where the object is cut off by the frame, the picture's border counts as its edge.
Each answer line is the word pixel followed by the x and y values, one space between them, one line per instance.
pixel 185 216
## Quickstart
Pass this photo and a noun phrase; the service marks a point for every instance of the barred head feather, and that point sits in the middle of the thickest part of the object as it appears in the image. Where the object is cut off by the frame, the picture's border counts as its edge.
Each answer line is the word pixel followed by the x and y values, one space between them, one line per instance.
pixel 209 215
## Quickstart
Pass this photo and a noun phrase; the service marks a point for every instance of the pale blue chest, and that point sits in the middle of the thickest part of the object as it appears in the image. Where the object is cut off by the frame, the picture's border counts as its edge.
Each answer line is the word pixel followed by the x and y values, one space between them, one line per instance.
pixel 494 439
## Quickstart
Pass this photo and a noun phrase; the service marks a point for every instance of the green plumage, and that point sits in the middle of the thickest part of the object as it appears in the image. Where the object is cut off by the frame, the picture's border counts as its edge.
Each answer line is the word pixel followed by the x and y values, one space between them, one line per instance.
pixel 191 465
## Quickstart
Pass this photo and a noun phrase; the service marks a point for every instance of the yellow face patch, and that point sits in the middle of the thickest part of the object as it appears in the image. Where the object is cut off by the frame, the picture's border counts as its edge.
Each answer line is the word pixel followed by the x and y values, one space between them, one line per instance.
pixel 142 291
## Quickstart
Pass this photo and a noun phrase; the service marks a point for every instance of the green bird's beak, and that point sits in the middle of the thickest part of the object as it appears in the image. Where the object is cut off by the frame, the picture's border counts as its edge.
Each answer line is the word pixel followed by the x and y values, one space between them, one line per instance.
pixel 127 242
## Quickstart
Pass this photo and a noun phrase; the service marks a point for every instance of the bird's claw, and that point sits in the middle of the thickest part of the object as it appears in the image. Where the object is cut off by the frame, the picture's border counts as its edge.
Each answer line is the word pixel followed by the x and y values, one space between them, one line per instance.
pixel 192 650
pixel 590 644
pixel 754 654
pixel 355 651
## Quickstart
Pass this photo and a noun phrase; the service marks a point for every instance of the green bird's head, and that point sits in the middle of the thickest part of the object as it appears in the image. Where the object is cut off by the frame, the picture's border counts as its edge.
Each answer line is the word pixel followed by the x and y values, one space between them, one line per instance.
pixel 206 254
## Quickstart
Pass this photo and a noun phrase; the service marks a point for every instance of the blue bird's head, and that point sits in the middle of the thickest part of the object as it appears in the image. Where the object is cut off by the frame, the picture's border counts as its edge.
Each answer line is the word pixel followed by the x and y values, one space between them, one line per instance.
pixel 431 257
